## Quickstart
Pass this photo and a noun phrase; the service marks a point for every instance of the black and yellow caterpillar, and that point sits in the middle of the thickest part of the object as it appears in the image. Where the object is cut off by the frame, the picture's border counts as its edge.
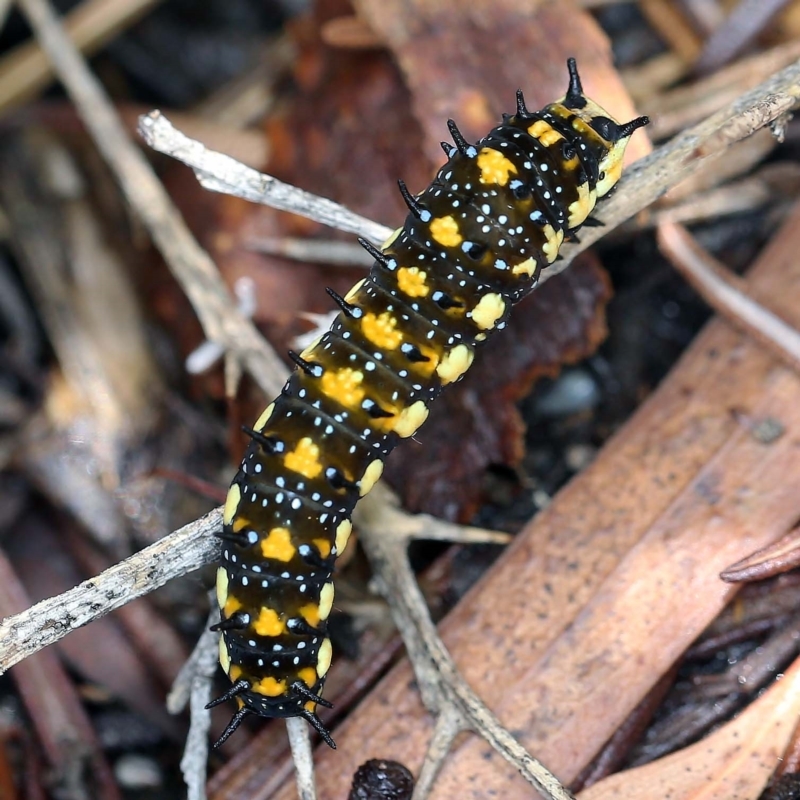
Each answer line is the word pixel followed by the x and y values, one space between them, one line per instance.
pixel 472 245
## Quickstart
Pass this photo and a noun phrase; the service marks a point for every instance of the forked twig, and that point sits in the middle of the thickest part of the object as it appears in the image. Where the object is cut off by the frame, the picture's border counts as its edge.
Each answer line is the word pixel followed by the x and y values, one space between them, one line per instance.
pixel 197 676
pixel 443 689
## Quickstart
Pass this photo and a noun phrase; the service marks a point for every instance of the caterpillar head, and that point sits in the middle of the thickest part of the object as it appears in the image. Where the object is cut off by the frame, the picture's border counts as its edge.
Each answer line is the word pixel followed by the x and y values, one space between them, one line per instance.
pixel 606 137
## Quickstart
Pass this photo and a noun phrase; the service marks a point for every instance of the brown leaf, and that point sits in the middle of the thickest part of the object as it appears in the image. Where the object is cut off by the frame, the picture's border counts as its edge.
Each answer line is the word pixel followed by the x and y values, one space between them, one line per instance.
pixel 734 763
pixel 466 60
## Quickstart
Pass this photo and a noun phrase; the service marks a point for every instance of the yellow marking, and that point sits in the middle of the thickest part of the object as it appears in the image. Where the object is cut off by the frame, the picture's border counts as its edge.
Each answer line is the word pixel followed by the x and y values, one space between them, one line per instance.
pixel 455 363
pixel 239 523
pixel 325 601
pixel 391 238
pixel 308 675
pixel 582 207
pixel 525 268
pixel 494 167
pixel 343 386
pixel 410 419
pixel 310 705
pixel 270 687
pixel 232 605
pixel 490 308
pixel 550 138
pixel 370 477
pixel 265 415
pixel 612 166
pixel 269 623
pixel 224 655
pixel 231 503
pixel 553 243
pixel 308 353
pixel 544 132
pixel 480 337
pixel 324 658
pixel 323 547
pixel 351 295
pixel 445 231
pixel 426 367
pixel 239 702
pixel 222 587
pixel 343 532
pixel 411 282
pixel 304 459
pixel 310 613
pixel 235 673
pixel 278 545
pixel 538 128
pixel 381 330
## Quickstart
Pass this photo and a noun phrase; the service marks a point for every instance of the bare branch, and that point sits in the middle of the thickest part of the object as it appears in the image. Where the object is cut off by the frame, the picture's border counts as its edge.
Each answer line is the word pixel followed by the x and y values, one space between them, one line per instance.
pixel 187 549
pixel 303 757
pixel 220 173
pixel 204 664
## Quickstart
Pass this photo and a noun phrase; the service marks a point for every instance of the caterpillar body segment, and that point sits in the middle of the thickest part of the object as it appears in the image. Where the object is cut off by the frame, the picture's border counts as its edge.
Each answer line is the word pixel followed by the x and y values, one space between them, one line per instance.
pixel 473 245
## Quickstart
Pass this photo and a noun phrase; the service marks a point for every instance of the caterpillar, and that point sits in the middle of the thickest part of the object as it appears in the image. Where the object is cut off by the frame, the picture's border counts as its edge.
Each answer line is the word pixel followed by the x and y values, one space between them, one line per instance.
pixel 473 244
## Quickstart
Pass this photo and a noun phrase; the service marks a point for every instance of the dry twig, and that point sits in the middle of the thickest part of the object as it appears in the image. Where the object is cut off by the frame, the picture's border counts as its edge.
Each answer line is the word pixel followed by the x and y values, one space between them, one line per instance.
pixel 189 263
pixel 27 69
pixel 220 173
pixel 443 690
pixel 727 294
pixel 185 550
pixel 194 685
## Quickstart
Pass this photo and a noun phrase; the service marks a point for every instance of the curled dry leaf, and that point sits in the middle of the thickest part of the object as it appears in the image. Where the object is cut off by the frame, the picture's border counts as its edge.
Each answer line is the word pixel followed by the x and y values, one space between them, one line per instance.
pixel 772 560
pixel 734 763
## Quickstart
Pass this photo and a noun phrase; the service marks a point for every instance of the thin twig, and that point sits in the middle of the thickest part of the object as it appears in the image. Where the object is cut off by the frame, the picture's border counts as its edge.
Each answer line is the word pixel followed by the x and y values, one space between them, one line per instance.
pixel 26 70
pixel 220 173
pixel 311 251
pixel 303 757
pixel 424 526
pixel 678 109
pixel 185 550
pixel 449 723
pixel 189 263
pixel 727 293
pixel 442 688
pixel 745 22
pixel 642 184
pixel 195 753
